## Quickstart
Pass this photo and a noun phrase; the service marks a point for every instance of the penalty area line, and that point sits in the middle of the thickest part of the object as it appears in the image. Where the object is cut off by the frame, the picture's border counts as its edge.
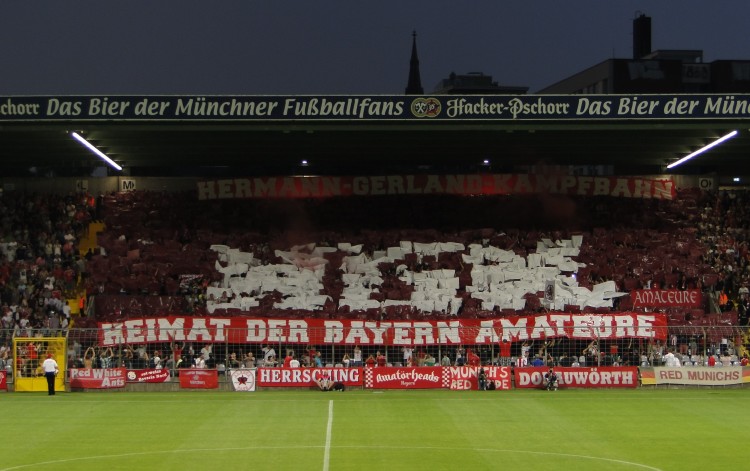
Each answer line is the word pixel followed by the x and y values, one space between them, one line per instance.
pixel 327 452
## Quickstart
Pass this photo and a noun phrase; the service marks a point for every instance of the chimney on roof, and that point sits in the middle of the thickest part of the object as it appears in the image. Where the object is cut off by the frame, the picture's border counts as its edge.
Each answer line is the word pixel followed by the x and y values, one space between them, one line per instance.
pixel 641 35
pixel 414 85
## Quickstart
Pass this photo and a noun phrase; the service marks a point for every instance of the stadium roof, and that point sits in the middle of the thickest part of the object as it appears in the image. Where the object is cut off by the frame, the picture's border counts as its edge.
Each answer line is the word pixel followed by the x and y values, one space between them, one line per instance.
pixel 206 147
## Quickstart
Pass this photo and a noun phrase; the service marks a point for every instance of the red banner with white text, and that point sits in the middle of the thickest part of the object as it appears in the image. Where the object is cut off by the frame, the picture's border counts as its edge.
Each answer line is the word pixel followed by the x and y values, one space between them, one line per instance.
pixel 395 333
pixel 467 377
pixel 667 298
pixel 594 377
pixel 3 381
pixel 97 378
pixel 148 376
pixel 458 184
pixel 194 378
pixel 307 377
pixel 425 377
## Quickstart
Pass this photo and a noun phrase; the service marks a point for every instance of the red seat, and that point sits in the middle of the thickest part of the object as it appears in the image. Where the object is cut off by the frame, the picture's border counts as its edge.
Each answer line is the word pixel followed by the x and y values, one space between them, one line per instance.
pixel 631 284
pixel 710 279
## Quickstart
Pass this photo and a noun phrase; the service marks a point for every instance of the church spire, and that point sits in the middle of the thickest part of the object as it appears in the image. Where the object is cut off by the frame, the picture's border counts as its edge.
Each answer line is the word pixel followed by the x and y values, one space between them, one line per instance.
pixel 414 85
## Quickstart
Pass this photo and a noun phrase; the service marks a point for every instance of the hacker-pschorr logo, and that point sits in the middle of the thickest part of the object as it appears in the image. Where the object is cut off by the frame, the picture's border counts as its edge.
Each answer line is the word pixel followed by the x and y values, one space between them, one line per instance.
pixel 426 107
pixel 243 379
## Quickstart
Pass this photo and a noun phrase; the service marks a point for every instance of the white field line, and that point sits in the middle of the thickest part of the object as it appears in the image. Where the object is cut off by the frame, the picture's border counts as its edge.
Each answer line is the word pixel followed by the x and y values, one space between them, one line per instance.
pixel 329 428
pixel 299 447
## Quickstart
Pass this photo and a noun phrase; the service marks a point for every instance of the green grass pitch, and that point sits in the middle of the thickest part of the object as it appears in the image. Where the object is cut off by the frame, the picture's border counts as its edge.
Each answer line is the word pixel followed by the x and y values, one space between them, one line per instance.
pixel 665 429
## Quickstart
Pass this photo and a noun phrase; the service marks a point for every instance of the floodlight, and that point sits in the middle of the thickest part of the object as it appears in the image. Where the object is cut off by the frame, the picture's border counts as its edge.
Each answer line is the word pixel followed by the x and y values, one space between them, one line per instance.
pixel 96 151
pixel 703 149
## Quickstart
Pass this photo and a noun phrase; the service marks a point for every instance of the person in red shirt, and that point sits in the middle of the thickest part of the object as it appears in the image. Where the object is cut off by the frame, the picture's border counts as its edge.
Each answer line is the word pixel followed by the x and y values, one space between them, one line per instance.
pixel 380 359
pixel 370 362
pixel 324 383
pixel 33 356
pixel 472 359
pixel 505 346
pixel 311 352
pixel 288 358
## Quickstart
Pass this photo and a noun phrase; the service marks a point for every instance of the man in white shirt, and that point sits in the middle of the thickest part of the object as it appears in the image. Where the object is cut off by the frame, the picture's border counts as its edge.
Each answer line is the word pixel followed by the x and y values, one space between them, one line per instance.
pixel 206 351
pixel 670 360
pixel 408 352
pixel 50 372
pixel 268 352
pixel 156 361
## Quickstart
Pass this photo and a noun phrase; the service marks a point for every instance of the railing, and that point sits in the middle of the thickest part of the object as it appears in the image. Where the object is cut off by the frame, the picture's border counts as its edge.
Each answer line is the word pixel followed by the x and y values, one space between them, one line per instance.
pixel 690 345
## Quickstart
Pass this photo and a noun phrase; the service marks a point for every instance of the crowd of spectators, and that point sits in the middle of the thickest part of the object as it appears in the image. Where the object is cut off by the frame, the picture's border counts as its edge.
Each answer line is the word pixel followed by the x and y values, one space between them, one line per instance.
pixel 40 263
pixel 724 228
pixel 154 255
pixel 158 258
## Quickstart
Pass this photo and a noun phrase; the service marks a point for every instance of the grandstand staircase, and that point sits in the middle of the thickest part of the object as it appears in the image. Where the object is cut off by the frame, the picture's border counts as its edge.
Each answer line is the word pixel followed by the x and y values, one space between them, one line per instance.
pixel 89 239
pixel 87 242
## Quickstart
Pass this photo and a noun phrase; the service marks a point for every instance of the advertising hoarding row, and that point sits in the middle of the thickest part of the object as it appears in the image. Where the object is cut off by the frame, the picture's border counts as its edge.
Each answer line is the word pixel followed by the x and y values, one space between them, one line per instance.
pixel 455 378
pixel 452 377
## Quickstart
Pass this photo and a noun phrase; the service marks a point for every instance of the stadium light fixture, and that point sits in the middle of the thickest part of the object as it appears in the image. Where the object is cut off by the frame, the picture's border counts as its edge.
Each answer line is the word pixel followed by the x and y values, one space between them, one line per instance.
pixel 703 149
pixel 96 151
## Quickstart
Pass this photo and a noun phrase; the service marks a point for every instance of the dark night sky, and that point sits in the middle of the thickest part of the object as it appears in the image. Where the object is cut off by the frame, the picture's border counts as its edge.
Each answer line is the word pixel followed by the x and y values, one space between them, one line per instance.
pixel 248 47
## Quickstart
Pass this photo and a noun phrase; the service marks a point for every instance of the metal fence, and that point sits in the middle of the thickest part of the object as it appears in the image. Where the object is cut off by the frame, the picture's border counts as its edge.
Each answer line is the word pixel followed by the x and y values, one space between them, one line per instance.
pixel 690 345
